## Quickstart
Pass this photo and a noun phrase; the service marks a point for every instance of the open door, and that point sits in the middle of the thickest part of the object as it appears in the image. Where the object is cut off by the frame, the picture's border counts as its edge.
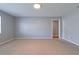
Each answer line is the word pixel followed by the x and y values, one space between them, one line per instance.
pixel 56 29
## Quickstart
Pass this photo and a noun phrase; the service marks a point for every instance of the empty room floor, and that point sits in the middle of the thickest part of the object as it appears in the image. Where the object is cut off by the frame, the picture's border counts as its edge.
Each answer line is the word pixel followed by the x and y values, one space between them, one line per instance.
pixel 38 47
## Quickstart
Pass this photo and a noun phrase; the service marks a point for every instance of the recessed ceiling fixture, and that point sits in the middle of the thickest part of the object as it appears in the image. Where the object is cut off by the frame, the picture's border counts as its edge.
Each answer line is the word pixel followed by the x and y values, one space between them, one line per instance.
pixel 37 6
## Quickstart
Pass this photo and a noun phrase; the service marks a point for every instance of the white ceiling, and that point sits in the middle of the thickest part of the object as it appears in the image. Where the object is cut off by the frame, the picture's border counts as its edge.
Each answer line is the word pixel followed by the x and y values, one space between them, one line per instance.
pixel 47 9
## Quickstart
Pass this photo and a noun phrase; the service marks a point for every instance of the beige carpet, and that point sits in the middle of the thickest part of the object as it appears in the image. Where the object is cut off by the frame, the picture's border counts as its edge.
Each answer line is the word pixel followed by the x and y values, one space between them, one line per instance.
pixel 38 47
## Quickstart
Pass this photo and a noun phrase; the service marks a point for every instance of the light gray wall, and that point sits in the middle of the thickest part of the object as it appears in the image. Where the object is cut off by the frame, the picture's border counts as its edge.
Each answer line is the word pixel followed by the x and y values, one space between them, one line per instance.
pixel 6 26
pixel 61 28
pixel 33 27
pixel 71 26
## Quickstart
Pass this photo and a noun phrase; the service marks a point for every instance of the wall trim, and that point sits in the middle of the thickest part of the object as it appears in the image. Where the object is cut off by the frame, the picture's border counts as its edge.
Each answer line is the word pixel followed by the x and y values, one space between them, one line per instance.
pixel 71 42
pixel 33 38
pixel 1 43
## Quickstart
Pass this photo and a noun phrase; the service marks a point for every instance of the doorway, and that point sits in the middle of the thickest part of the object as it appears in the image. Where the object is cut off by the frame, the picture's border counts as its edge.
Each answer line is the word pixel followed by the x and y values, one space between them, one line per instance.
pixel 56 29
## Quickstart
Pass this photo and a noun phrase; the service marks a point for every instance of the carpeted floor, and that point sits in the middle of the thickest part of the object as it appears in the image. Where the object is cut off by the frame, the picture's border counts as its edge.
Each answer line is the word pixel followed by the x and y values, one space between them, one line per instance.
pixel 38 47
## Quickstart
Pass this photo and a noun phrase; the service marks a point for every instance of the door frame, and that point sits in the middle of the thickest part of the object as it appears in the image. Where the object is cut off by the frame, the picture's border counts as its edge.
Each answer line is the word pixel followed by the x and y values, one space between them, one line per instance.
pixel 52 27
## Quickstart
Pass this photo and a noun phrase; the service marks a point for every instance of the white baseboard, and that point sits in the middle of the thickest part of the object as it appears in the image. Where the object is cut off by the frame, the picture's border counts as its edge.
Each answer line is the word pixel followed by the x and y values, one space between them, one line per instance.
pixel 6 41
pixel 34 38
pixel 71 42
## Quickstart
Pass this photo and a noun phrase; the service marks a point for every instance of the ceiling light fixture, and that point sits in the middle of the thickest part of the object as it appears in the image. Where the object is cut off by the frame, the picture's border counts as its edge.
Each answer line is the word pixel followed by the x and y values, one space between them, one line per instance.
pixel 37 6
